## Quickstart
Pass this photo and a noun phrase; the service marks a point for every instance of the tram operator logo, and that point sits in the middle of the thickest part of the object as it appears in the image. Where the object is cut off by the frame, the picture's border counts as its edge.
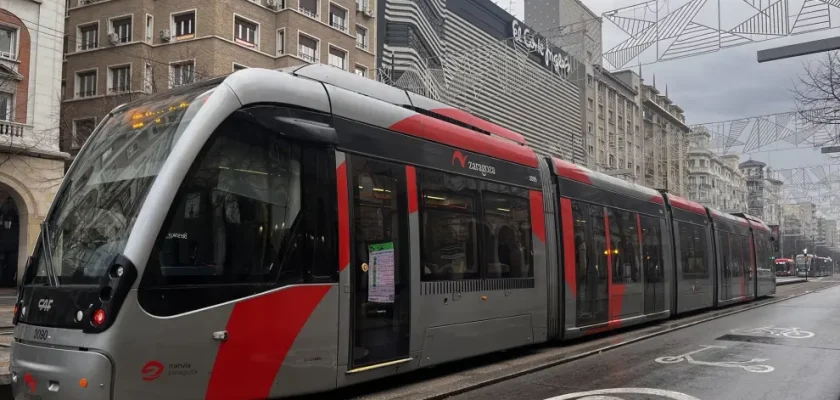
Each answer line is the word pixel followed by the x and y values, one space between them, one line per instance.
pixel 45 304
pixel 462 159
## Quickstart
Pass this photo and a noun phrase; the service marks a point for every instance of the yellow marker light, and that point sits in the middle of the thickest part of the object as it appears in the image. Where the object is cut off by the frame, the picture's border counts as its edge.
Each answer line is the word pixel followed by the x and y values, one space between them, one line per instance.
pixel 83 382
pixel 137 125
pixel 157 120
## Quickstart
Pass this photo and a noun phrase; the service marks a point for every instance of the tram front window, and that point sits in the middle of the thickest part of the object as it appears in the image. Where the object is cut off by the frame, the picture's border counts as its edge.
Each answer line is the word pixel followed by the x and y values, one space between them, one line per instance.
pixel 104 191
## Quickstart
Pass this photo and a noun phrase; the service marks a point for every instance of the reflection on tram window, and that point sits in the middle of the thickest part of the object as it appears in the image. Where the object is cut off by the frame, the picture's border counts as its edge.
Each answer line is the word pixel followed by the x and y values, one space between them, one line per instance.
pixel 599 239
pixel 624 246
pixel 236 214
pixel 448 226
pixel 736 251
pixel 580 215
pixel 652 249
pixel 693 251
pixel 507 235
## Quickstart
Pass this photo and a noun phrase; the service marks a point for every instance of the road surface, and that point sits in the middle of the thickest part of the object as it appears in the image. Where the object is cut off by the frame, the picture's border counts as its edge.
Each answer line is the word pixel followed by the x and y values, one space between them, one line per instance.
pixel 787 350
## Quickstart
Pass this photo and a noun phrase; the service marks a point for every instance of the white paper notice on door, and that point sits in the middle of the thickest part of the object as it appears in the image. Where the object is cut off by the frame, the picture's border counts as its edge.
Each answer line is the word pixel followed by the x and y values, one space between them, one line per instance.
pixel 381 273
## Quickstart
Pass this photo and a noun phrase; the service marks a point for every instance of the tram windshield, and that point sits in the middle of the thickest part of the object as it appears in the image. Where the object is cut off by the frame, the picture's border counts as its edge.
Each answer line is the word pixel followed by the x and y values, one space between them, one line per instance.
pixel 98 205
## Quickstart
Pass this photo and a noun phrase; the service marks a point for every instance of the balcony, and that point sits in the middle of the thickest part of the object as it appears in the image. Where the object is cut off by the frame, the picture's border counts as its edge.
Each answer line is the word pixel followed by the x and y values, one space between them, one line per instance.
pixel 21 138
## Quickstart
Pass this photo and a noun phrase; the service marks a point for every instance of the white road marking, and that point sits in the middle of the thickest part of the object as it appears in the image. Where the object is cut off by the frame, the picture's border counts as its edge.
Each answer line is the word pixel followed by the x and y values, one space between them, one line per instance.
pixel 792 333
pixel 748 366
pixel 603 394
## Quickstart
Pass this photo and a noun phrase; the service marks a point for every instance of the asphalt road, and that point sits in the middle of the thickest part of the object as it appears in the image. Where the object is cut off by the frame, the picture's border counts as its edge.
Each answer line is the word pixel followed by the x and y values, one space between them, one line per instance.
pixel 734 357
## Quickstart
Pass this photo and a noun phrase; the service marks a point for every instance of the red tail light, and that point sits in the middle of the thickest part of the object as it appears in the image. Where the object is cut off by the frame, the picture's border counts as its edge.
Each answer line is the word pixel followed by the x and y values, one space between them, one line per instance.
pixel 98 317
pixel 16 309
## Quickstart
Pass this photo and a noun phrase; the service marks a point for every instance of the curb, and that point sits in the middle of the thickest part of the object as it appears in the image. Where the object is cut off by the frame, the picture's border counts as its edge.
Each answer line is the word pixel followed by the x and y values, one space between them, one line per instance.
pixel 576 357
pixel 792 281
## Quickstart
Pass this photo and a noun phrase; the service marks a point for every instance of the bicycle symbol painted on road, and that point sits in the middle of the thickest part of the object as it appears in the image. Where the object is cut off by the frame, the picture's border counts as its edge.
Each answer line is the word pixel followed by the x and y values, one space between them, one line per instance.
pixel 791 333
pixel 749 365
pixel 613 394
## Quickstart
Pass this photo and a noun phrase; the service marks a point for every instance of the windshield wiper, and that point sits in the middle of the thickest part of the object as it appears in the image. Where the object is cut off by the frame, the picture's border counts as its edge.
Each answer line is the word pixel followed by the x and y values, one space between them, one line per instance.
pixel 47 246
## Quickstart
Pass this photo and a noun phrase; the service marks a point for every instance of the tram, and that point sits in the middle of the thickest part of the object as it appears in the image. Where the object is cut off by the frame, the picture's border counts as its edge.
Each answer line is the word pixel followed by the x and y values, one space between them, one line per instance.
pixel 273 233
pixel 784 267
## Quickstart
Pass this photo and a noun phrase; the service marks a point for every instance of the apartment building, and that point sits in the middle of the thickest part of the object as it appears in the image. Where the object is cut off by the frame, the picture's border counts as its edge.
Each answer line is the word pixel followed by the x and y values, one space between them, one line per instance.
pixel 119 50
pixel 665 141
pixel 762 192
pixel 715 181
pixel 799 228
pixel 31 165
pixel 613 139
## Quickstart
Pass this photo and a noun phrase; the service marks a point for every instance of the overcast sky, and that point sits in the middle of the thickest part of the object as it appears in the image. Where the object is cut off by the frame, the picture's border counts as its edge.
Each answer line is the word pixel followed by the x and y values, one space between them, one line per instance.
pixel 728 84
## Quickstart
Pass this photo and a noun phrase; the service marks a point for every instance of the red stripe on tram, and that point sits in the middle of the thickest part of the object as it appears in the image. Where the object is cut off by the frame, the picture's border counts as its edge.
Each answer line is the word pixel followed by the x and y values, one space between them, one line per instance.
pixel 343 217
pixel 249 360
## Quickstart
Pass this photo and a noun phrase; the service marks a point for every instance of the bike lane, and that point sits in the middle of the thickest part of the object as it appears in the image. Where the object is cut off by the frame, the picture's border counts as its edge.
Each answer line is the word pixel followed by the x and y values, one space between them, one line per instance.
pixel 788 350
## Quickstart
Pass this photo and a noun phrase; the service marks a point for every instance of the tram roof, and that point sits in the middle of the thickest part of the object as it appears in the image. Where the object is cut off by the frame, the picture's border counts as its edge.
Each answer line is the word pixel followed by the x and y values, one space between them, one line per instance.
pixel 754 221
pixel 600 180
pixel 685 204
pixel 345 94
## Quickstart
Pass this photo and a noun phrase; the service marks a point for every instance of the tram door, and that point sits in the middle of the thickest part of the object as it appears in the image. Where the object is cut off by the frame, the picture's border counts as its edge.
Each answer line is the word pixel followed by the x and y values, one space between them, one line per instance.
pixel 726 266
pixel 380 271
pixel 653 264
pixel 591 262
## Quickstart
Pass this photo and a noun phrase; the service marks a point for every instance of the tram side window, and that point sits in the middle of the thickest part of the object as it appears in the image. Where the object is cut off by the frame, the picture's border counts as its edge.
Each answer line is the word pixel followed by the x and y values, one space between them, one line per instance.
pixel 693 251
pixel 242 216
pixel 448 226
pixel 652 249
pixel 507 231
pixel 624 246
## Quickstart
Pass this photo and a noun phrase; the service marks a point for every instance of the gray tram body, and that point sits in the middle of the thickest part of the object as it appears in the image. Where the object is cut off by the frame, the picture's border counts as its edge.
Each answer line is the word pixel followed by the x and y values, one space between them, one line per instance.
pixel 318 331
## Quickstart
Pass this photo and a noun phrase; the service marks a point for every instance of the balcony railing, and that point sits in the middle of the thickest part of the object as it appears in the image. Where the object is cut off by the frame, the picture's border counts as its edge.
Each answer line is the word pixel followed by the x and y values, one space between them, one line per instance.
pixel 309 13
pixel 10 129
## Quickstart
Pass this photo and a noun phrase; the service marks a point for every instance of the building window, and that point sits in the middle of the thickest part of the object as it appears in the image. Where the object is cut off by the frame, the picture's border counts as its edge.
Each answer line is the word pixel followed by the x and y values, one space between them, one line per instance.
pixel 245 32
pixel 86 84
pixel 89 37
pixel 120 79
pixel 182 73
pixel 238 67
pixel 82 128
pixel 338 58
pixel 361 71
pixel 309 8
pixel 588 80
pixel 149 79
pixel 361 5
pixel 122 27
pixel 338 18
pixel 590 104
pixel 150 28
pixel 6 106
pixel 8 43
pixel 361 37
pixel 308 50
pixel 281 42
pixel 184 25
pixel 589 127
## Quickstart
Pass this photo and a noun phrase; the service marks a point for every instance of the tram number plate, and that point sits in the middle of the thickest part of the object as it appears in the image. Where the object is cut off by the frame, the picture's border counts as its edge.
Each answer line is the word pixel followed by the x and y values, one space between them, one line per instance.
pixel 41 334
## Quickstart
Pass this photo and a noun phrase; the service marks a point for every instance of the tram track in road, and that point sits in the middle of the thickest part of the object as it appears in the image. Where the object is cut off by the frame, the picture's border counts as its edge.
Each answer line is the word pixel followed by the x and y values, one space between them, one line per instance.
pixel 467 375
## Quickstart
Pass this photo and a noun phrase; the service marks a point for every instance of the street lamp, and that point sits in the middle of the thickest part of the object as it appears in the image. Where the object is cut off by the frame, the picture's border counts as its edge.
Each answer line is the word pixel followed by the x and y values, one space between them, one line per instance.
pixel 807 266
